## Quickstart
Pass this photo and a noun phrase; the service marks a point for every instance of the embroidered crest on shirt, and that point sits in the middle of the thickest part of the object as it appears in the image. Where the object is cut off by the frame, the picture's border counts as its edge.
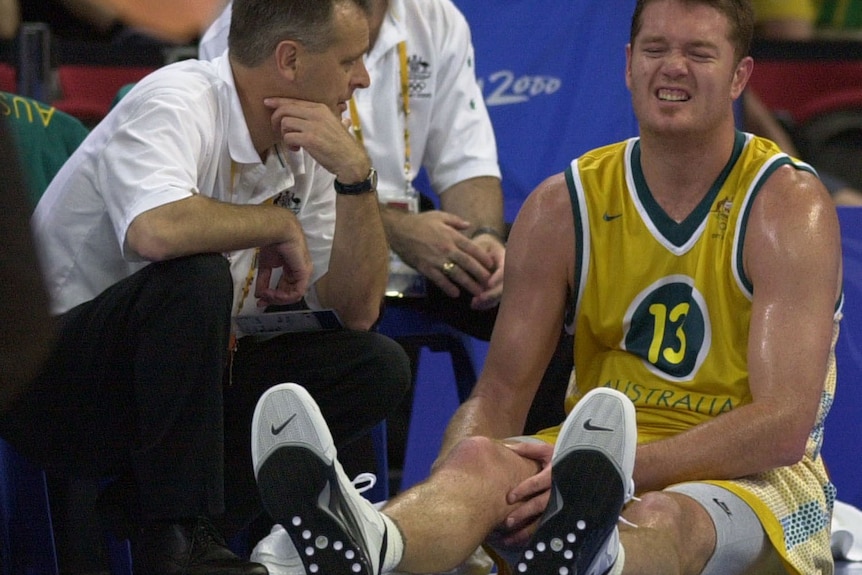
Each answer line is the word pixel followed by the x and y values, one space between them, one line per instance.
pixel 287 199
pixel 721 212
pixel 419 70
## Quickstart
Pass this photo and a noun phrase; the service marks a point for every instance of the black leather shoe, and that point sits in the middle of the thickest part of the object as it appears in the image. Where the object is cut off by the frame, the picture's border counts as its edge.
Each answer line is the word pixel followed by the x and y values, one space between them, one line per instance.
pixel 188 548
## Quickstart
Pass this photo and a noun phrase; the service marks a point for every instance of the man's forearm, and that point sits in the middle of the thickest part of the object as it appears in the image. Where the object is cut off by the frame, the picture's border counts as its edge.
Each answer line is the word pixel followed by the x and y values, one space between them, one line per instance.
pixel 359 264
pixel 477 200
pixel 497 412
pixel 199 224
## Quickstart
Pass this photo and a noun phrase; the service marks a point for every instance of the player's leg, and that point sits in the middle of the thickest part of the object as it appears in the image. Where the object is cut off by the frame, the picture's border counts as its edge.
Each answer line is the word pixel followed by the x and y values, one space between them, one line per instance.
pixel 697 528
pixel 440 522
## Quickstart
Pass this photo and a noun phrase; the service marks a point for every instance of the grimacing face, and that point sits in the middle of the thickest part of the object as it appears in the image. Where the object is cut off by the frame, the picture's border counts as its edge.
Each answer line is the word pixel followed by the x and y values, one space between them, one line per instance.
pixel 681 69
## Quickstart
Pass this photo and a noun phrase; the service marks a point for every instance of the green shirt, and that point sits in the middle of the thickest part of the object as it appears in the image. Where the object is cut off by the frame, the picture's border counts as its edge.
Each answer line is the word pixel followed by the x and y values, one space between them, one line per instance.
pixel 825 14
pixel 840 14
pixel 45 137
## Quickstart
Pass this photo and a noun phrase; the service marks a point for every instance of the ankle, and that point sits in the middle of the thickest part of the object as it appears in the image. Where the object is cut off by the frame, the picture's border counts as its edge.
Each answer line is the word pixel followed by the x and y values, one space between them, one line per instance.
pixel 394 551
pixel 617 567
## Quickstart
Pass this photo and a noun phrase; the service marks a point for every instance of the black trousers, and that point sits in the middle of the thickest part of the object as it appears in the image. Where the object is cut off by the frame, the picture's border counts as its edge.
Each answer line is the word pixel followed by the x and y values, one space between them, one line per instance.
pixel 133 387
pixel 453 311
pixel 133 384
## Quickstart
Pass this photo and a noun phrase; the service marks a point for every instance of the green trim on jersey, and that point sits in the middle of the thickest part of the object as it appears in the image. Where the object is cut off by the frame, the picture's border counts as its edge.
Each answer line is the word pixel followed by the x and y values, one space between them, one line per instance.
pixel 680 233
pixel 743 218
pixel 579 246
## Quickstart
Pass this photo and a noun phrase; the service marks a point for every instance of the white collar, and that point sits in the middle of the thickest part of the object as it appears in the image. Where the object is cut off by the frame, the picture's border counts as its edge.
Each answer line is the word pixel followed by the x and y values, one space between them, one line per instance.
pixel 239 140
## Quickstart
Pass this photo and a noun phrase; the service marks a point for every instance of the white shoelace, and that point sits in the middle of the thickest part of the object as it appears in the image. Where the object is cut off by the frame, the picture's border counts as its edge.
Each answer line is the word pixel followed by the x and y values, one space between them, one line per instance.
pixel 625 521
pixel 364 481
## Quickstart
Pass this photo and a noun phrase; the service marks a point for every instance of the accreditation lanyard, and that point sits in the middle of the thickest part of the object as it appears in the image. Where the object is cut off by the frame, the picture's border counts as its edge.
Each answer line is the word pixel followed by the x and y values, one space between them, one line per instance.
pixel 249 278
pixel 405 106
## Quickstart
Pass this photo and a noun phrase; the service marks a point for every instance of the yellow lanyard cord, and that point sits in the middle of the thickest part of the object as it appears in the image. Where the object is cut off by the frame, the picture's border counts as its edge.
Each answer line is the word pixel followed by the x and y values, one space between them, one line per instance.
pixel 249 278
pixel 405 103
pixel 405 106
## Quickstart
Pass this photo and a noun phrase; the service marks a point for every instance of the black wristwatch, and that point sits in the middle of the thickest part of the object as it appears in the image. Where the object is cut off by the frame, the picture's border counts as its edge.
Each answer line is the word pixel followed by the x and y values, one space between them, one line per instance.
pixel 369 184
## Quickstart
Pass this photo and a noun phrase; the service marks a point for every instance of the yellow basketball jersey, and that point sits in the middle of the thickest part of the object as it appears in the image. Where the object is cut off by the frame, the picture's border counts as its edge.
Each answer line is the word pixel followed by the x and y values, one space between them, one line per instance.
pixel 662 308
pixel 662 313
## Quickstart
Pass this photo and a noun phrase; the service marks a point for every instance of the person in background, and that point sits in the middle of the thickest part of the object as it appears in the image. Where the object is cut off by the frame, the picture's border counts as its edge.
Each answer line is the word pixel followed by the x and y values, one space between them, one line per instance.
pixel 759 119
pixel 797 20
pixel 179 22
pixel 82 19
pixel 213 190
pixel 788 19
pixel 802 19
pixel 699 268
pixel 44 137
pixel 25 343
pixel 424 109
pixel 10 18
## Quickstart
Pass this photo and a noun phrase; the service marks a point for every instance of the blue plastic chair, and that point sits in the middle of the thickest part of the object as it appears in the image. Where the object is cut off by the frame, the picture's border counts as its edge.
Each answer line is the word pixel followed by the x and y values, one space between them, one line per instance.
pixel 380 491
pixel 26 534
pixel 844 423
pixel 449 362
pixel 27 544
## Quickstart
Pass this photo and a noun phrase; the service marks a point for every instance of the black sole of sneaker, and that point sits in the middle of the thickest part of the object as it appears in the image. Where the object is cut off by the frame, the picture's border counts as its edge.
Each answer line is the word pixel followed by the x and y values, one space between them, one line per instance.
pixel 290 482
pixel 592 493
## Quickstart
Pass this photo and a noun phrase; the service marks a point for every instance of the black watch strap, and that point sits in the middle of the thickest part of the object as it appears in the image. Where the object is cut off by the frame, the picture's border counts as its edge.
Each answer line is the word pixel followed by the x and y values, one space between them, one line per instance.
pixel 369 184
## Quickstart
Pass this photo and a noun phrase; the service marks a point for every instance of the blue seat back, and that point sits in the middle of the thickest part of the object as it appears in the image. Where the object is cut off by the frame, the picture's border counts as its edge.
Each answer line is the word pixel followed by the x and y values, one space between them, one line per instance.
pixel 841 444
pixel 554 83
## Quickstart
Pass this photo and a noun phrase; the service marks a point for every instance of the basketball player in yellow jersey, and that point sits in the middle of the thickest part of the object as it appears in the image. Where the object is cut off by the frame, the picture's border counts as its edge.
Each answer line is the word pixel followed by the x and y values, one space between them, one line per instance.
pixel 706 273
pixel 700 269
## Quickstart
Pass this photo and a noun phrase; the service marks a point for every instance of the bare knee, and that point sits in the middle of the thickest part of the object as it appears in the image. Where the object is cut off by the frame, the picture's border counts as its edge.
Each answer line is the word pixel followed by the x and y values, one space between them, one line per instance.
pixel 486 459
pixel 674 523
pixel 656 510
pixel 472 453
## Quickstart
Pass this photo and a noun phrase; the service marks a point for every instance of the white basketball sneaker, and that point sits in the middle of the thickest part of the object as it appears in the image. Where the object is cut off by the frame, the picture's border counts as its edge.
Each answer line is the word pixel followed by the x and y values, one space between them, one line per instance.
pixel 304 488
pixel 277 552
pixel 591 481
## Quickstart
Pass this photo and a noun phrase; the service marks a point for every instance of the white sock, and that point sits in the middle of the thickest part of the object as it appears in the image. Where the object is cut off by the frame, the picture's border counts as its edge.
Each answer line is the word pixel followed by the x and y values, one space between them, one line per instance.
pixel 394 546
pixel 617 568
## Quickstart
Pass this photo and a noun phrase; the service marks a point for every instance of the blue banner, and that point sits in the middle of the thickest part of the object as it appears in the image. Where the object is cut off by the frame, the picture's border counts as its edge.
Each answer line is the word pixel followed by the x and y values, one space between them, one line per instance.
pixel 553 77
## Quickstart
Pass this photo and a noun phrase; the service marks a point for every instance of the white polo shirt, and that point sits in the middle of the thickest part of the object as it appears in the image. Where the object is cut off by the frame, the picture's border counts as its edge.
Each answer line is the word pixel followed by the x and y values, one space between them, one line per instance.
pixel 180 131
pixel 450 130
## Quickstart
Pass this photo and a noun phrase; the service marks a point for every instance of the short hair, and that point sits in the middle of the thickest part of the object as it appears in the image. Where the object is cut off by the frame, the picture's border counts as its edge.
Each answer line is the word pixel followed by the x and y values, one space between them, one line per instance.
pixel 739 13
pixel 257 26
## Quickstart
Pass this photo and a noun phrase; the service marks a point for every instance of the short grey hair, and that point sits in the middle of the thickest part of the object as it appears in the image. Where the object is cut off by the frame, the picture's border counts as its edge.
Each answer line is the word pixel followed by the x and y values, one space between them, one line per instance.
pixel 257 26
